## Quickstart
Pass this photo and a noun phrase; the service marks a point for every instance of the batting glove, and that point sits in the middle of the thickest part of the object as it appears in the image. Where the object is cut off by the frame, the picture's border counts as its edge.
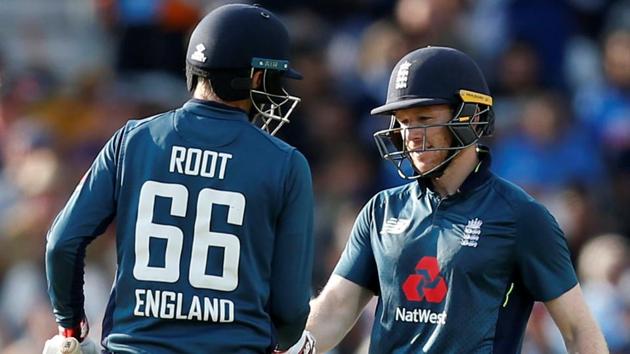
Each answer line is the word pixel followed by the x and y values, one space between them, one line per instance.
pixel 71 341
pixel 69 345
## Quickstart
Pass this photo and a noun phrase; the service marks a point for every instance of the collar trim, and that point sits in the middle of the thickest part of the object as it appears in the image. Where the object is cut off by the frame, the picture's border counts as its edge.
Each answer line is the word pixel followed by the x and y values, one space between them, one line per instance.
pixel 204 108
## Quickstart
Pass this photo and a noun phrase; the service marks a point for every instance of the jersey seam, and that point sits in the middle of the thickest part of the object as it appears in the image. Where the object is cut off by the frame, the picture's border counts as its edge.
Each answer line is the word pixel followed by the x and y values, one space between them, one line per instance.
pixel 501 193
pixel 147 120
pixel 376 288
pixel 119 161
pixel 515 214
pixel 283 176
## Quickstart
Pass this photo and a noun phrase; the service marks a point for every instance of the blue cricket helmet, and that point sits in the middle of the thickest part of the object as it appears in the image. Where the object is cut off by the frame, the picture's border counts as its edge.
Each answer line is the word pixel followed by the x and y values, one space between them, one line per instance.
pixel 233 41
pixel 433 76
pixel 231 36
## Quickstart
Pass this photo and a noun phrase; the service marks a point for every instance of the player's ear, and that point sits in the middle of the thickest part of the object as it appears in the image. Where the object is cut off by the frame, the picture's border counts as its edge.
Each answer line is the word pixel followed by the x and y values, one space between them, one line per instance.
pixel 257 79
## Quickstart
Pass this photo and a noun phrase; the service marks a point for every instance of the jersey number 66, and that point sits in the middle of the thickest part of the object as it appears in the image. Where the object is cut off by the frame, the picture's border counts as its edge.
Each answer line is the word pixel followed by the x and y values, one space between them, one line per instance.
pixel 203 238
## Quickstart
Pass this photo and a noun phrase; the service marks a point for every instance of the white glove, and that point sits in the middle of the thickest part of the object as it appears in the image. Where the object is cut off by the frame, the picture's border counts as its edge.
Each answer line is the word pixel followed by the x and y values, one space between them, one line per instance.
pixel 69 345
pixel 305 345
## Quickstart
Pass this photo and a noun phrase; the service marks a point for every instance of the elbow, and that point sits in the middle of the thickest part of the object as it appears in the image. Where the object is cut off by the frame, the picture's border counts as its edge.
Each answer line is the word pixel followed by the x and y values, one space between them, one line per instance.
pixel 62 250
pixel 54 249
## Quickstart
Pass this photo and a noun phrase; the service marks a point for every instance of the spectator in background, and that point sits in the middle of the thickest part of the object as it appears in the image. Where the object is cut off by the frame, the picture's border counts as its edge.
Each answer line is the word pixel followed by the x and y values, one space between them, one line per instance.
pixel 618 209
pixel 605 111
pixel 602 263
pixel 517 76
pixel 600 266
pixel 429 22
pixel 150 33
pixel 530 156
pixel 547 25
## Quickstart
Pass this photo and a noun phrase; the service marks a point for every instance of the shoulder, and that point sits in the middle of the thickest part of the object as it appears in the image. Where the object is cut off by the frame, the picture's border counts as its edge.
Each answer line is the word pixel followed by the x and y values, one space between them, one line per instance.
pixel 134 125
pixel 510 193
pixel 263 138
pixel 525 207
pixel 395 195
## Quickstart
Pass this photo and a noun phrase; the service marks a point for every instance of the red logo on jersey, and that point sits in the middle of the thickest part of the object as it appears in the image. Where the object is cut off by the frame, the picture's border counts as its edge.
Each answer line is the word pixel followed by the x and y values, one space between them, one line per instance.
pixel 426 283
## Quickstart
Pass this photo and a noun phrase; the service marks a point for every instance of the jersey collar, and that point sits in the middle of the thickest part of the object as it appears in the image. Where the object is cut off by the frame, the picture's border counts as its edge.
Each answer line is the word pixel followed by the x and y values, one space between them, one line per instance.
pixel 212 108
pixel 481 173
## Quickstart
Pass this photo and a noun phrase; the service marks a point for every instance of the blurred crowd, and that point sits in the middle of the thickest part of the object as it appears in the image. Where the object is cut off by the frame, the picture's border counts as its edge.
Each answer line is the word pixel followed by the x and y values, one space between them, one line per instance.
pixel 73 71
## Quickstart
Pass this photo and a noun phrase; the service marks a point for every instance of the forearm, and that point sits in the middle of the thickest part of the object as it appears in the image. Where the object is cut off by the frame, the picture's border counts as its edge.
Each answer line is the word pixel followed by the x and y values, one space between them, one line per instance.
pixel 85 216
pixel 64 272
pixel 289 332
pixel 335 312
pixel 328 323
pixel 585 339
pixel 574 320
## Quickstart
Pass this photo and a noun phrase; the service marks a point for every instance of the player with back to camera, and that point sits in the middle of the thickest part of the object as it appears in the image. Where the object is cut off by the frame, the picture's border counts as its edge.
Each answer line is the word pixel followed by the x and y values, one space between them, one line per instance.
pixel 457 256
pixel 214 215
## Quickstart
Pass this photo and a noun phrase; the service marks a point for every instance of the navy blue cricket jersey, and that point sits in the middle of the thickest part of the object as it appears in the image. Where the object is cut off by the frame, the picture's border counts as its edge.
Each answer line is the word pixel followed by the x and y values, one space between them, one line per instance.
pixel 213 233
pixel 459 274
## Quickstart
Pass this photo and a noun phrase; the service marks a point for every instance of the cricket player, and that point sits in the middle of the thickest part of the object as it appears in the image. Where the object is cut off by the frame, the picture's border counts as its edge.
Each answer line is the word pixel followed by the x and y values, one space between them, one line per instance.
pixel 213 213
pixel 457 256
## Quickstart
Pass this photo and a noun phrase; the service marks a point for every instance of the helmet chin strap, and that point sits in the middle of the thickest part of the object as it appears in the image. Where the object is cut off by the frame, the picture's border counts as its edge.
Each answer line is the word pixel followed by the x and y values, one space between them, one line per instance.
pixel 438 170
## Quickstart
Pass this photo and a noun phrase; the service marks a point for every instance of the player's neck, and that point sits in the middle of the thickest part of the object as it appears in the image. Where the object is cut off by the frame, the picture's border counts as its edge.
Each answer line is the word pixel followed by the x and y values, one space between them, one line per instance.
pixel 205 92
pixel 457 171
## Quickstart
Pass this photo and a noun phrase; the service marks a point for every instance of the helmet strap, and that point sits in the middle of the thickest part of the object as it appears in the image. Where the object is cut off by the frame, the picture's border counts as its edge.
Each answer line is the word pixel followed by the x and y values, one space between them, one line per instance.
pixel 439 171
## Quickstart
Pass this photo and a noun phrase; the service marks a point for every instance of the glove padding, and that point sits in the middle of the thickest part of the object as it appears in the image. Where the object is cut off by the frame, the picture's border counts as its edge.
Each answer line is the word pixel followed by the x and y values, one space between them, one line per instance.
pixel 69 345
pixel 305 345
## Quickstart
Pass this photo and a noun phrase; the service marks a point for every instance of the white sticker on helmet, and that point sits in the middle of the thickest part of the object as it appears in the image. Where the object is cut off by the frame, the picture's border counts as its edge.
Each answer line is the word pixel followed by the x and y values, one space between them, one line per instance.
pixel 402 75
pixel 198 54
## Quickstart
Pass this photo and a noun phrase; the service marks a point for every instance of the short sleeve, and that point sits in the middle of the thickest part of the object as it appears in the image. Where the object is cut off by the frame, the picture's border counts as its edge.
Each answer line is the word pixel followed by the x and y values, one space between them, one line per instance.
pixel 543 256
pixel 357 262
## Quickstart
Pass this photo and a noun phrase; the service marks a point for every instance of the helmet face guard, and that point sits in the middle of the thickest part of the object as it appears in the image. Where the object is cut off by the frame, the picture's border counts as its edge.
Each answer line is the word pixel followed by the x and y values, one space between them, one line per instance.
pixel 473 119
pixel 271 115
pixel 271 102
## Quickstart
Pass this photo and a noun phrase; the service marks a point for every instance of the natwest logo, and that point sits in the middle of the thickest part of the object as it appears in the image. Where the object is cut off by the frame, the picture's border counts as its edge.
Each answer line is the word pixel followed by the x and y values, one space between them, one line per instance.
pixel 427 283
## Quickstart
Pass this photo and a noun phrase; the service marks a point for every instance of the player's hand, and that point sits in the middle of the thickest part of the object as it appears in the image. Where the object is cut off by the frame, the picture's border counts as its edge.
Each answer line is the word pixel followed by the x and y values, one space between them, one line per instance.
pixel 69 345
pixel 71 341
pixel 305 345
pixel 79 332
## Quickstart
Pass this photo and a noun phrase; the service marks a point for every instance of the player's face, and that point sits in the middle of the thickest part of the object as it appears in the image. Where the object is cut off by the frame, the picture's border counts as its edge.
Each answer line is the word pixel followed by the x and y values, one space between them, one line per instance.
pixel 417 138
